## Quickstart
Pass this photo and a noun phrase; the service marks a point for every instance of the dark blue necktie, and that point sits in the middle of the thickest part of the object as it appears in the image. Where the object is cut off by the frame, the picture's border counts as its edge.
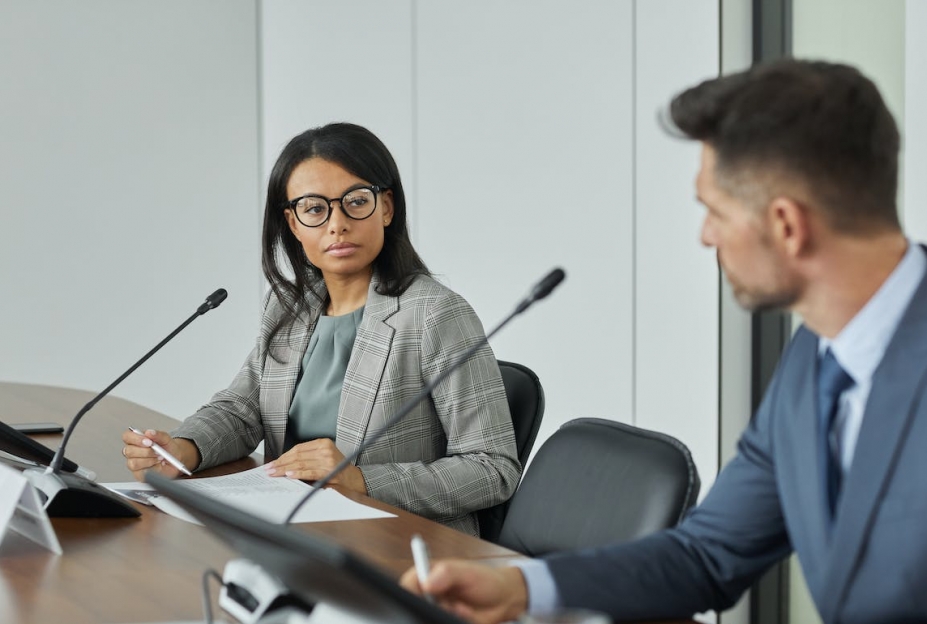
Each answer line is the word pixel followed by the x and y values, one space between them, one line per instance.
pixel 832 381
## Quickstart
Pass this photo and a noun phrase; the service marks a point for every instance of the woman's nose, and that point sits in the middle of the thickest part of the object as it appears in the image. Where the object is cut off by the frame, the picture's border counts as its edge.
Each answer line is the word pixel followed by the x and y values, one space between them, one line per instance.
pixel 338 222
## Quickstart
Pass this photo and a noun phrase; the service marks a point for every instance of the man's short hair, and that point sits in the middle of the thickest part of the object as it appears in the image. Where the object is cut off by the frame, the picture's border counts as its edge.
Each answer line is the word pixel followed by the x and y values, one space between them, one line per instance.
pixel 823 125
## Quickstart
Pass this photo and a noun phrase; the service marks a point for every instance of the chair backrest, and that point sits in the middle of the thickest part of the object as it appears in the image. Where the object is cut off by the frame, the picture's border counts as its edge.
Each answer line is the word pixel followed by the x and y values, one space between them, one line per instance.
pixel 526 403
pixel 597 482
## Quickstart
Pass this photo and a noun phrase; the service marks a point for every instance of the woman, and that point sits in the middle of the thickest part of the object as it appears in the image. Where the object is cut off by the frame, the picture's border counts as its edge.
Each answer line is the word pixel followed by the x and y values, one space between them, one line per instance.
pixel 352 329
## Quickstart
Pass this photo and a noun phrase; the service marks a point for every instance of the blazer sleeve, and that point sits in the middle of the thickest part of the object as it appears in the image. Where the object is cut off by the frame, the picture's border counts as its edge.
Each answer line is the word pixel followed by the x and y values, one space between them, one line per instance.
pixel 230 426
pixel 707 561
pixel 480 466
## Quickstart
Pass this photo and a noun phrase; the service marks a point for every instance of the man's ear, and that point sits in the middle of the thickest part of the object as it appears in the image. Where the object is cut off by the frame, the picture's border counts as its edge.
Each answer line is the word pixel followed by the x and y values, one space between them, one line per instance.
pixel 789 225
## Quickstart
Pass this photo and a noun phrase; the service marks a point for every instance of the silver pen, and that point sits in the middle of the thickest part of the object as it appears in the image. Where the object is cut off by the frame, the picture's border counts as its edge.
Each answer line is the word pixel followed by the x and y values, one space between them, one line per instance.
pixel 421 560
pixel 157 448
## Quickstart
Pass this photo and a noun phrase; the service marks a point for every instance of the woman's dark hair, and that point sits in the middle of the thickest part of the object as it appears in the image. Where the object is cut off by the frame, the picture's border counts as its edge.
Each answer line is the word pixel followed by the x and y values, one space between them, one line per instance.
pixel 820 123
pixel 361 153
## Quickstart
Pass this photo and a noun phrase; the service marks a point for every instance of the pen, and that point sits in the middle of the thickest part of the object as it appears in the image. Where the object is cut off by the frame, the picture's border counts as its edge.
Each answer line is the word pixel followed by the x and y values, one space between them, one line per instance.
pixel 173 461
pixel 421 559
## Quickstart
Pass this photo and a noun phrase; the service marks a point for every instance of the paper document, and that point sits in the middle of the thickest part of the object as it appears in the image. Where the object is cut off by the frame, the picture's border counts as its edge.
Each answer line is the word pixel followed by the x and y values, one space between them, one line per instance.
pixel 270 498
pixel 134 491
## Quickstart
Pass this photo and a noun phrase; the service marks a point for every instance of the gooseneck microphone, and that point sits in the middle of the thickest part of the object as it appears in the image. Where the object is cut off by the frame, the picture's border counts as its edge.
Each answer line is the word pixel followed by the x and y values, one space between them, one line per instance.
pixel 540 290
pixel 68 495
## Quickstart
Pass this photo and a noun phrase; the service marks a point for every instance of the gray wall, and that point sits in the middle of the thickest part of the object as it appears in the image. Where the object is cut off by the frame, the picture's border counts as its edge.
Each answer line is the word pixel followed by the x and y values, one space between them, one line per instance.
pixel 527 136
pixel 129 192
pixel 138 136
pixel 915 123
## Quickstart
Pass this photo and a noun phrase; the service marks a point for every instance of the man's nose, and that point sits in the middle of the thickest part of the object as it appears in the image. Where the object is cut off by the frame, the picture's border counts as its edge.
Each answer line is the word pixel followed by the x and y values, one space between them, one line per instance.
pixel 707 235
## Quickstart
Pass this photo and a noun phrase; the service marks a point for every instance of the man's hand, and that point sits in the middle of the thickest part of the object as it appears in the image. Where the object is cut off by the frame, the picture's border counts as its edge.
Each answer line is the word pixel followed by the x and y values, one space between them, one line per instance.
pixel 473 591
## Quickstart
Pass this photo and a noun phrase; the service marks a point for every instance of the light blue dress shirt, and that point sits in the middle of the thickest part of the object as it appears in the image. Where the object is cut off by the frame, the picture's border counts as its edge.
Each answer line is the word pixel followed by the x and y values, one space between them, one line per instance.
pixel 858 347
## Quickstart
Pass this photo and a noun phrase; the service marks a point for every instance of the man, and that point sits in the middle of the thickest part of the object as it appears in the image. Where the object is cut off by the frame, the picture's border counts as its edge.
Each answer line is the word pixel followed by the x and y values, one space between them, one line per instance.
pixel 799 176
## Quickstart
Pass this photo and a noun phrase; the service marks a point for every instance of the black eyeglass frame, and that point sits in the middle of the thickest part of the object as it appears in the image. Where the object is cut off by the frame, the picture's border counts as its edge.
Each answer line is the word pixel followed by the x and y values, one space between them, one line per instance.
pixel 375 189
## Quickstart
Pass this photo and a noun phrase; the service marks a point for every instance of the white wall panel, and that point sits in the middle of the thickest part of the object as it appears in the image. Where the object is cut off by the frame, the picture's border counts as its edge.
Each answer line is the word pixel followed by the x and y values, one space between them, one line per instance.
pixel 915 122
pixel 676 280
pixel 525 163
pixel 128 183
pixel 513 125
pixel 337 61
pixel 526 136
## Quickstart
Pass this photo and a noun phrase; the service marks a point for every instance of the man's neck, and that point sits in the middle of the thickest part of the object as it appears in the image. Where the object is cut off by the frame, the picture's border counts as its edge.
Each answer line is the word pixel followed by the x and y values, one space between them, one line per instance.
pixel 845 277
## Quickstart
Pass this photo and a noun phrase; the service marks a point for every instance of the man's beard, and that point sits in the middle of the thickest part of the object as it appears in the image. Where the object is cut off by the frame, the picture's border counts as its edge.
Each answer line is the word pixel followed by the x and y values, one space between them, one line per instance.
pixel 759 301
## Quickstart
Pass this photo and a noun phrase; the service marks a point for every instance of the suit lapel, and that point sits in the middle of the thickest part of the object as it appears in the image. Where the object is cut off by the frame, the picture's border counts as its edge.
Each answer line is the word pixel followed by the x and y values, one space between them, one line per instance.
pixel 365 370
pixel 290 346
pixel 799 405
pixel 897 383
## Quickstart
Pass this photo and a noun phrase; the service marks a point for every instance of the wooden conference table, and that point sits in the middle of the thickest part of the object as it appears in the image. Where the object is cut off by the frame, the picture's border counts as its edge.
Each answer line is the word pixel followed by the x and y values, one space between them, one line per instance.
pixel 149 568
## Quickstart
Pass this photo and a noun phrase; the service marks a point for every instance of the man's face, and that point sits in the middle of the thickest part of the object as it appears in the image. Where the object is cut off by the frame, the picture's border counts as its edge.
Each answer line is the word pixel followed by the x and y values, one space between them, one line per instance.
pixel 741 235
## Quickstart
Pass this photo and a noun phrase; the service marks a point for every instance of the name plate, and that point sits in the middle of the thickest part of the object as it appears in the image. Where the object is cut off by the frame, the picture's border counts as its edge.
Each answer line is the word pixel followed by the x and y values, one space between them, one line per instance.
pixel 22 512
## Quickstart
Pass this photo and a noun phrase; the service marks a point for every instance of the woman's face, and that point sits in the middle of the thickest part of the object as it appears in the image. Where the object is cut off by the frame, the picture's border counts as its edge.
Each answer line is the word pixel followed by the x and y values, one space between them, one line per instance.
pixel 342 248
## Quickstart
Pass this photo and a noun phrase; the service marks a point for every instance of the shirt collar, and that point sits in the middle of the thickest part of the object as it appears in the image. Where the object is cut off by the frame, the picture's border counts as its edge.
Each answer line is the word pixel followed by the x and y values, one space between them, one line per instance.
pixel 860 345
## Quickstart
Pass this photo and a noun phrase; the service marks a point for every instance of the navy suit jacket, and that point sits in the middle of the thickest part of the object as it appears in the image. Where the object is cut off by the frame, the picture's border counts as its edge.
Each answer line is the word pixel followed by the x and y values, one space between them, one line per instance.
pixel 870 565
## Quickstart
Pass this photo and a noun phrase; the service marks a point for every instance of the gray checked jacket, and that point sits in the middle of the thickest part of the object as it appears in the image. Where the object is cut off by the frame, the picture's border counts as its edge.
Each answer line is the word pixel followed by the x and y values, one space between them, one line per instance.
pixel 449 457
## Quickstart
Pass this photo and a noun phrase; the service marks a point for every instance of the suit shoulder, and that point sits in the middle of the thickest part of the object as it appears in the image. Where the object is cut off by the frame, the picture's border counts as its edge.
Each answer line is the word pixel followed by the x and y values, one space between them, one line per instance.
pixel 427 288
pixel 273 307
pixel 432 302
pixel 278 315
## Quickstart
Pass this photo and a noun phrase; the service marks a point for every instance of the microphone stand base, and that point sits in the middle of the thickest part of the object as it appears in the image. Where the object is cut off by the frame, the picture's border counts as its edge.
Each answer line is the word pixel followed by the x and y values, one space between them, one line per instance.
pixel 253 596
pixel 68 495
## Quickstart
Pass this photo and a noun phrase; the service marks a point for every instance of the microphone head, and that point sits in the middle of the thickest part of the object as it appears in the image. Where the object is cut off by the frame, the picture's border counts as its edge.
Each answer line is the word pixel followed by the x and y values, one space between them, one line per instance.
pixel 213 301
pixel 541 289
pixel 218 297
pixel 546 285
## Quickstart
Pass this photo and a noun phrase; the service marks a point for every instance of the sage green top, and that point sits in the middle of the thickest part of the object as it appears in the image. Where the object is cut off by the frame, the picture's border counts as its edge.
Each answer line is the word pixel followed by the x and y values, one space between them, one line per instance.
pixel 314 410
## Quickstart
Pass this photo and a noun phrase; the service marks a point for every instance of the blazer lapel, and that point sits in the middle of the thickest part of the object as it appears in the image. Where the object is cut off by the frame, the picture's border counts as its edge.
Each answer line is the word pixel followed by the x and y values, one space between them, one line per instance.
pixel 800 406
pixel 897 383
pixel 289 347
pixel 365 370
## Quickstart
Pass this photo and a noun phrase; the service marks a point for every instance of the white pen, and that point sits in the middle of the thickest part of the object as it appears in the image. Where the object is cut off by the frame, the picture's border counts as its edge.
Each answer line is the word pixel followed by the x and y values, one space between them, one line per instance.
pixel 157 448
pixel 421 559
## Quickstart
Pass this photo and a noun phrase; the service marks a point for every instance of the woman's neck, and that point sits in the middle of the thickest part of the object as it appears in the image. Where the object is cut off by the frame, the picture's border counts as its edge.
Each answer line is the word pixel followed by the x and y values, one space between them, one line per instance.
pixel 345 295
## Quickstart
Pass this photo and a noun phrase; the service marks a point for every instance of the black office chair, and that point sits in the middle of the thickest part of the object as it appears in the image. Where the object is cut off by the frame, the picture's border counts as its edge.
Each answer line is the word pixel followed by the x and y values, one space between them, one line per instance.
pixel 596 482
pixel 526 403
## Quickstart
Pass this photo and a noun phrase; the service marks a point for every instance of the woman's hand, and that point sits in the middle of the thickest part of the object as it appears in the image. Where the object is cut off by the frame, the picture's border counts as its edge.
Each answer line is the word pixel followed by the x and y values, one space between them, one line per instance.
pixel 140 458
pixel 313 460
pixel 473 591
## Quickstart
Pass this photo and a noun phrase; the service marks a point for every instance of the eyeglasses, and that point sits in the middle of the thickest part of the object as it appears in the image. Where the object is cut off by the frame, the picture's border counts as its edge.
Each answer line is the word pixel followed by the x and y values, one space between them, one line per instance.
pixel 315 210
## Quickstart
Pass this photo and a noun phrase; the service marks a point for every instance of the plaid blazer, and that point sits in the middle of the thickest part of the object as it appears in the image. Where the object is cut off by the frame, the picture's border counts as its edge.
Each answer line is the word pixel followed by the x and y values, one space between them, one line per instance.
pixel 449 457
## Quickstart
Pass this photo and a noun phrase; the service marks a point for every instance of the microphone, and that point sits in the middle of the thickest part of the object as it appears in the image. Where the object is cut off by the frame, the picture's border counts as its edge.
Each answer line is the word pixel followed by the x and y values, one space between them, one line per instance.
pixel 540 290
pixel 68 495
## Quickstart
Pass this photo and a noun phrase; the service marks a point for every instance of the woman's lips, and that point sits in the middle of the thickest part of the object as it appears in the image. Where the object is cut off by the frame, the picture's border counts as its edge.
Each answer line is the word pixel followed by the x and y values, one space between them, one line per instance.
pixel 340 249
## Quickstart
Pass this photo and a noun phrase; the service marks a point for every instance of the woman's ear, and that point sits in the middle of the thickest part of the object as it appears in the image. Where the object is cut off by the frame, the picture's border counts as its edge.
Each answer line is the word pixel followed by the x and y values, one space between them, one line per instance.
pixel 291 221
pixel 387 207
